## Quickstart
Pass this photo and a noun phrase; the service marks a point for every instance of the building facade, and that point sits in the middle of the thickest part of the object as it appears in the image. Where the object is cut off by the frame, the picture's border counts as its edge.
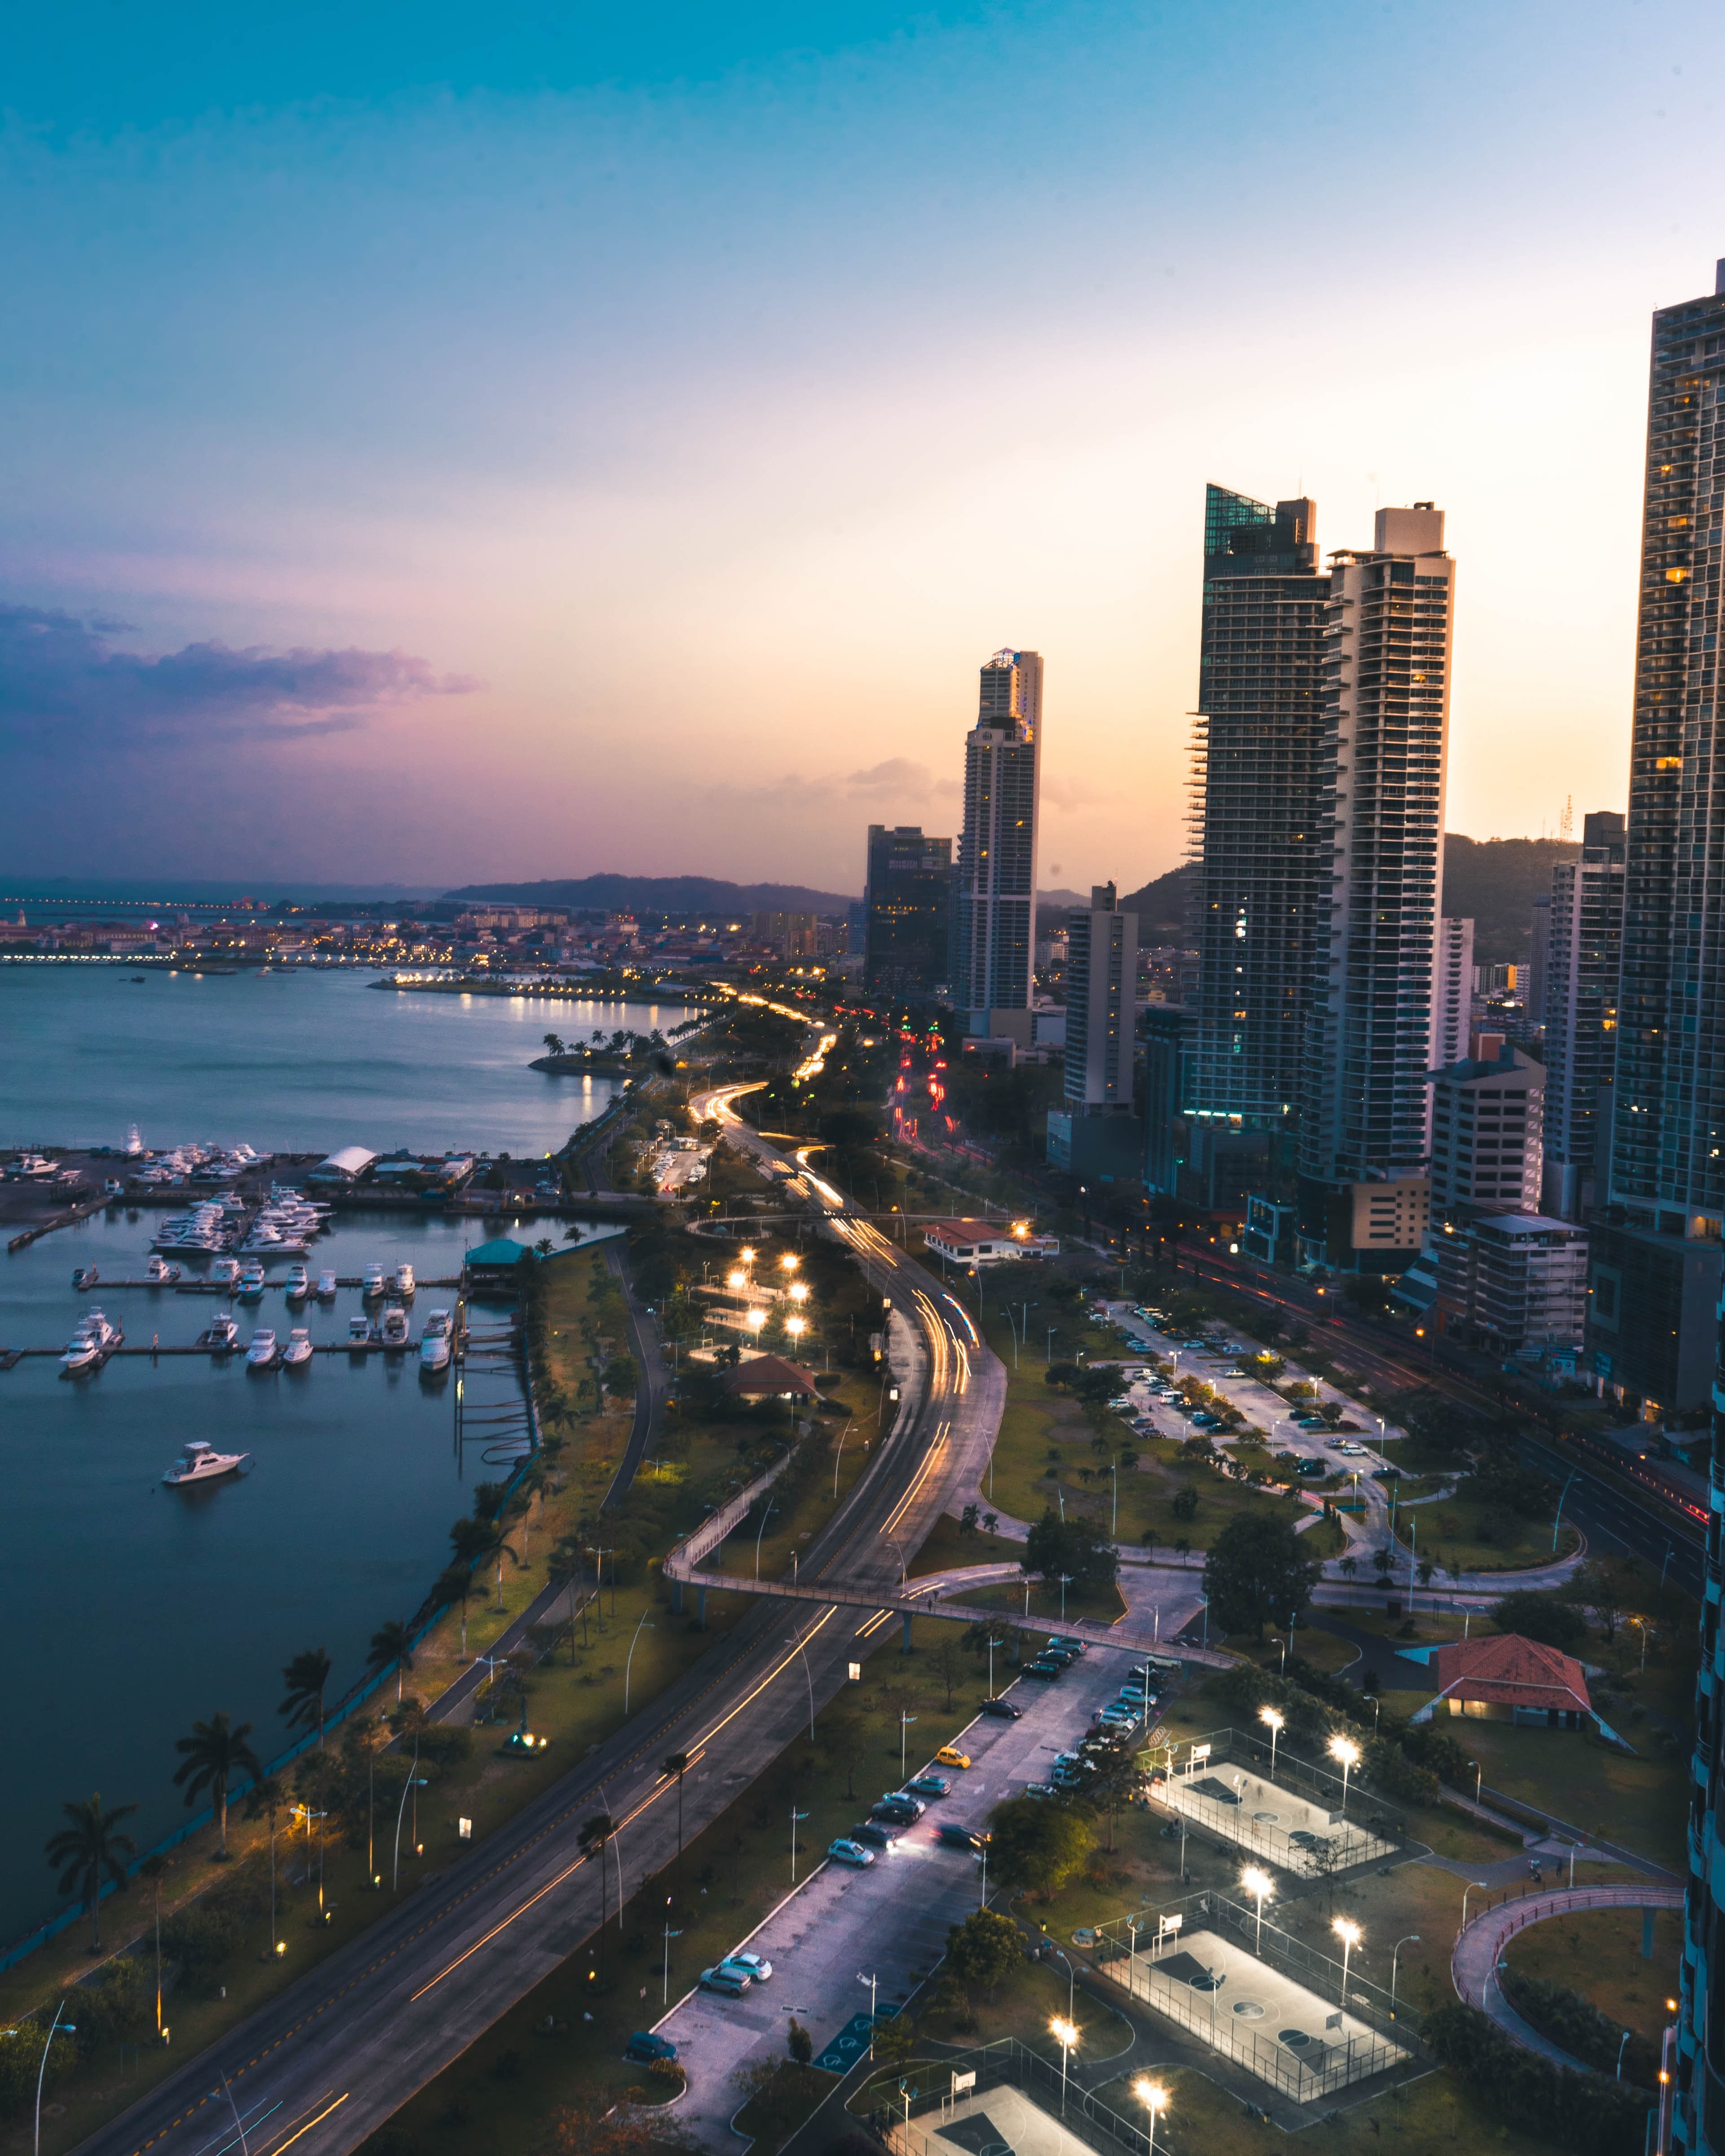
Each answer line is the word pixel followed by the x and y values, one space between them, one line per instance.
pixel 1518 1279
pixel 1101 992
pixel 1488 1117
pixel 1452 991
pixel 1585 956
pixel 1255 827
pixel 908 909
pixel 1388 626
pixel 994 902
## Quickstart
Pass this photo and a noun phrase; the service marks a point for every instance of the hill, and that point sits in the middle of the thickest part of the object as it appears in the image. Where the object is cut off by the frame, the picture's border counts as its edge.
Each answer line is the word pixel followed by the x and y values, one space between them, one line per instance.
pixel 677 896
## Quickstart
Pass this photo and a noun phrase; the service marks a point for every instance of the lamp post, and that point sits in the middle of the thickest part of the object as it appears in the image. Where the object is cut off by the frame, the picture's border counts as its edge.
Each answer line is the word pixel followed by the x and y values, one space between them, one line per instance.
pixel 1348 1933
pixel 1465 1891
pixel 400 1813
pixel 1479 1776
pixel 1065 1582
pixel 792 1639
pixel 904 1723
pixel 766 1514
pixel 872 1982
pixel 1376 1708
pixel 1411 1940
pixel 629 1660
pixel 42 2070
pixel 1154 2098
pixel 1273 1720
pixel 1257 1884
pixel 1067 2035
pixel 1557 1518
pixel 1621 2049
pixel 1347 1751
pixel 795 1816
pixel 838 1458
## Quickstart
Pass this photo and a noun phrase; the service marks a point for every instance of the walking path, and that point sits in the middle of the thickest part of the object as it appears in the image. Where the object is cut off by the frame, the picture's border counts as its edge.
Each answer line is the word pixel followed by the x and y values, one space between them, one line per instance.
pixel 1480 1947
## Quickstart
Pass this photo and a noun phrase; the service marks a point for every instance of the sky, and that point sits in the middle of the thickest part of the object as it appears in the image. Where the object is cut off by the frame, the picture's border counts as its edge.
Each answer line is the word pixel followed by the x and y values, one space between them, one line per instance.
pixel 448 444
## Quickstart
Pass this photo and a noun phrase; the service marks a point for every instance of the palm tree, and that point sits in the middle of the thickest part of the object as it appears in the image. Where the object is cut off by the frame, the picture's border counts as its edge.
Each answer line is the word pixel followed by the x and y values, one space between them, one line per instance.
pixel 554 1043
pixel 392 1644
pixel 264 1800
pixel 151 1869
pixel 493 1545
pixel 306 1678
pixel 456 1585
pixel 215 1754
pixel 86 1850
pixel 677 1763
pixel 594 1834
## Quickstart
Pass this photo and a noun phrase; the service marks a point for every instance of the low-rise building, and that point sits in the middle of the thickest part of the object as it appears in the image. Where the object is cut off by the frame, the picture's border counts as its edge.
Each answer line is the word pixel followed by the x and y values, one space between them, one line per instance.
pixel 987 1242
pixel 1509 1679
pixel 1518 1280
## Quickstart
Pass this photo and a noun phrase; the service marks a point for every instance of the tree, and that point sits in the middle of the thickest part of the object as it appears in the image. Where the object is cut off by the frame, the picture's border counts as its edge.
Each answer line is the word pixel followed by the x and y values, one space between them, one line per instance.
pixel 491 1545
pixel 984 1950
pixel 948 1666
pixel 392 1647
pixel 554 1043
pixel 677 1763
pixel 306 1676
pixel 800 2043
pixel 1593 1586
pixel 1054 1545
pixel 88 1850
pixel 1115 1779
pixel 1256 1573
pixel 212 1757
pixel 563 1568
pixel 1039 1843
pixel 266 1799
pixel 595 1832
pixel 848 1739
pixel 455 1584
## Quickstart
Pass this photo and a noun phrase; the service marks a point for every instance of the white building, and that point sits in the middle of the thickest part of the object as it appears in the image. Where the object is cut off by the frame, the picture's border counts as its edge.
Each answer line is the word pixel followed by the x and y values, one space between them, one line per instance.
pixel 1452 994
pixel 1518 1279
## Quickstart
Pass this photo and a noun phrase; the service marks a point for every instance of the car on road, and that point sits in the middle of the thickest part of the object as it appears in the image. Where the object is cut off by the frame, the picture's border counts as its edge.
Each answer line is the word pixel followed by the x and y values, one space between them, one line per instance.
pixel 961 1837
pixel 1046 1671
pixel 845 1851
pixel 644 2046
pixel 874 1834
pixel 928 1786
pixel 751 1965
pixel 728 1982
pixel 1065 1639
pixel 1002 1710
pixel 949 1755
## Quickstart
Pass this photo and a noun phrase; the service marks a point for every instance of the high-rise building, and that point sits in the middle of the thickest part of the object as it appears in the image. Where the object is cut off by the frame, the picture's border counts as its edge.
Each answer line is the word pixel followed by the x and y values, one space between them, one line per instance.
pixel 906 900
pixel 1255 821
pixel 1452 993
pixel 1487 1114
pixel 1538 962
pixel 1581 1011
pixel 1102 991
pixel 1649 1330
pixel 993 919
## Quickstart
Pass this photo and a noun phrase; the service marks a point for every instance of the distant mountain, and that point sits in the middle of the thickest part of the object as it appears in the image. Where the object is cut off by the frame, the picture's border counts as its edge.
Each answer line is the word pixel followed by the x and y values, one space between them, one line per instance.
pixel 675 896
pixel 1161 906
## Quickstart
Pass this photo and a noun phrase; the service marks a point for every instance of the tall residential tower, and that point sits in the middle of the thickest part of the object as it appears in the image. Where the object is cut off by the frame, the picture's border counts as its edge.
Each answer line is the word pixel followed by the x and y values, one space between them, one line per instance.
pixel 1582 966
pixel 993 926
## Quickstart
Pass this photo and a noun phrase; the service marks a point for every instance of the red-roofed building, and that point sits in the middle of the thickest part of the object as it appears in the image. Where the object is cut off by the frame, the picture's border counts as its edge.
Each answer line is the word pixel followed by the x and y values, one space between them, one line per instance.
pixel 1509 1679
pixel 770 1374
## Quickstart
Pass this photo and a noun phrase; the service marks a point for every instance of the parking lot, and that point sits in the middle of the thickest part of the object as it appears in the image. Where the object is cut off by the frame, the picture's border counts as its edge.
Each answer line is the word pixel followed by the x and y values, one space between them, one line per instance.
pixel 889 1921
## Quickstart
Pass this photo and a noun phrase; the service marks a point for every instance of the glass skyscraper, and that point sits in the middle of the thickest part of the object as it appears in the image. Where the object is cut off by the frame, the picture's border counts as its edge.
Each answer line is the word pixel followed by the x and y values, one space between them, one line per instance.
pixel 994 931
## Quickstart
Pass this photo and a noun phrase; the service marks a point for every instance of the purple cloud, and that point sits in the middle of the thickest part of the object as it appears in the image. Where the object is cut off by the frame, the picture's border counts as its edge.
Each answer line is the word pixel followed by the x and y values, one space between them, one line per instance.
pixel 57 672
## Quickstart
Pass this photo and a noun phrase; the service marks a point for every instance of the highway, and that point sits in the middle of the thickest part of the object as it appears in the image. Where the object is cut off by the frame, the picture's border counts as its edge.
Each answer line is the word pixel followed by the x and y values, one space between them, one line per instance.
pixel 328 2062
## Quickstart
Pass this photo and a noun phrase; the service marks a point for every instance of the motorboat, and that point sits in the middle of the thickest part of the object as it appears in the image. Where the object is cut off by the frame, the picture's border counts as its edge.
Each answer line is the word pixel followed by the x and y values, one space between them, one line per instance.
pixel 221 1335
pixel 249 1286
pixel 401 1283
pixel 297 1353
pixel 202 1463
pixel 359 1331
pixel 159 1273
pixel 393 1331
pixel 225 1269
pixel 263 1352
pixel 374 1279
pixel 92 1340
pixel 434 1344
pixel 298 1286
pixel 86 1277
pixel 327 1286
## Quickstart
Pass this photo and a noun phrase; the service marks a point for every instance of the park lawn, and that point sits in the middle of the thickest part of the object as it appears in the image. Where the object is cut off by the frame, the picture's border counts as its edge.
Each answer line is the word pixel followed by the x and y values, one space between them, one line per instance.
pixel 1597 1952
pixel 1022 2006
pixel 1099 1605
pixel 1323 1651
pixel 1641 1803
pixel 948 1547
pixel 503 2089
pixel 1472 1537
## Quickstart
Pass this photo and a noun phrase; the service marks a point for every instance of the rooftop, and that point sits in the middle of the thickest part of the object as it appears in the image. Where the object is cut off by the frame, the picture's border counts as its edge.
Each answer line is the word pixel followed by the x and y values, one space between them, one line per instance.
pixel 1510 1671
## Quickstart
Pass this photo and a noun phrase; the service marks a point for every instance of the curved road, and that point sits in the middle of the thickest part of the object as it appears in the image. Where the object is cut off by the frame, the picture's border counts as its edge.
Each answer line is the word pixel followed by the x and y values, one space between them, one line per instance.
pixel 325 2065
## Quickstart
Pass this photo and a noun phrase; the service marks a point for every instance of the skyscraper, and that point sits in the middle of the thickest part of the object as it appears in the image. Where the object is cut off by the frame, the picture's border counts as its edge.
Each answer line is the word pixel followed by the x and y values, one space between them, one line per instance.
pixel 1255 816
pixel 1655 1257
pixel 1388 628
pixel 1452 995
pixel 1581 1011
pixel 1097 1132
pixel 907 901
pixel 994 924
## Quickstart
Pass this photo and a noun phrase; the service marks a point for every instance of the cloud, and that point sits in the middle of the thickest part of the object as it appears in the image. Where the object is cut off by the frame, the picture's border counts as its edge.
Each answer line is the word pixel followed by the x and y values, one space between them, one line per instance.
pixel 57 672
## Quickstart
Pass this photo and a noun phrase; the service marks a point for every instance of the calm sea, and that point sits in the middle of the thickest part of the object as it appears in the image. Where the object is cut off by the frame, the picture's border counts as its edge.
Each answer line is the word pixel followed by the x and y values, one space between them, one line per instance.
pixel 131 1610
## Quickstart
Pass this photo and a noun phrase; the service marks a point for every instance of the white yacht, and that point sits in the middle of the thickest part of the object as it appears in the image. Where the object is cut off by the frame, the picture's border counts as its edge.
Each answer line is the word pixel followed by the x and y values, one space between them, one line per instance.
pixel 225 1269
pixel 159 1273
pixel 359 1330
pixel 326 1285
pixel 298 1286
pixel 91 1339
pixel 297 1353
pixel 221 1334
pixel 434 1344
pixel 401 1282
pixel 203 1463
pixel 249 1286
pixel 393 1331
pixel 263 1352
pixel 374 1279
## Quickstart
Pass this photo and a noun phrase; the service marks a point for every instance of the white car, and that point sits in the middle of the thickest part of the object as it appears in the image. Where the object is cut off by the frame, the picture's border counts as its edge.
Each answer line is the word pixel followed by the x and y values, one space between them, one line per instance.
pixel 752 1965
pixel 844 1851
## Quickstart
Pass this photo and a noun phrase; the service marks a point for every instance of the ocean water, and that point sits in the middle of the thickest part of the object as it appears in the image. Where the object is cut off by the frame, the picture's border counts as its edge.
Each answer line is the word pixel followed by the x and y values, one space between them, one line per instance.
pixel 131 1610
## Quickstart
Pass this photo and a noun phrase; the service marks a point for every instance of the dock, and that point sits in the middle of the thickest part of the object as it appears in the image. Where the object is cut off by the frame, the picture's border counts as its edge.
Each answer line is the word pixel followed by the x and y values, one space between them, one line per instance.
pixel 225 1287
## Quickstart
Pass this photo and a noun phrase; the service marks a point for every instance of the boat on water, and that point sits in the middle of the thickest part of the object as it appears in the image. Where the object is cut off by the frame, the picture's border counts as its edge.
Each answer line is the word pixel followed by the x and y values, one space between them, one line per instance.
pixel 434 1344
pixel 86 1277
pixel 401 1282
pixel 225 1269
pixel 221 1335
pixel 202 1463
pixel 359 1331
pixel 249 1286
pixel 393 1330
pixel 262 1353
pixel 297 1353
pixel 159 1273
pixel 374 1279
pixel 93 1340
pixel 298 1286
pixel 327 1286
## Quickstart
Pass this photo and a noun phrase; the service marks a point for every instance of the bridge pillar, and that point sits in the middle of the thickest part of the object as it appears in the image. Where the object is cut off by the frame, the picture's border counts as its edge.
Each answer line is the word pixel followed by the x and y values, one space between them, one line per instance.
pixel 701 1608
pixel 1647 1916
pixel 676 1588
pixel 906 1648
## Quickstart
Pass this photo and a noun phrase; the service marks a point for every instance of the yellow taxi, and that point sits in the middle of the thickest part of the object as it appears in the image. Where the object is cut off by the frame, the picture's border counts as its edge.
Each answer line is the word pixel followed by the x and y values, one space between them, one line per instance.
pixel 949 1755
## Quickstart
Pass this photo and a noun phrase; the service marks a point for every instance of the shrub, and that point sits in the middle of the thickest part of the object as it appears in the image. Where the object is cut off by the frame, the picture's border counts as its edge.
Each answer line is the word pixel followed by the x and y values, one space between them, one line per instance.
pixel 444 1745
pixel 1541 1617
pixel 1585 2114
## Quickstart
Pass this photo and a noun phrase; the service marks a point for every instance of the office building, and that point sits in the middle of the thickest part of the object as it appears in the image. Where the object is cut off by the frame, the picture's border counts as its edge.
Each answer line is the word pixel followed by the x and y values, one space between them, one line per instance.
pixel 1580 1046
pixel 1388 626
pixel 907 900
pixel 1488 1117
pixel 1538 961
pixel 1167 1046
pixel 1452 992
pixel 1256 824
pixel 1667 1178
pixel 1516 1280
pixel 993 918
pixel 1096 1132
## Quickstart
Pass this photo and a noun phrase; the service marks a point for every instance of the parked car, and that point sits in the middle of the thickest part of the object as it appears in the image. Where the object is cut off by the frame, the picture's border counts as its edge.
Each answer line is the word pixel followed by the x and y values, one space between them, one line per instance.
pixel 961 1837
pixel 845 1851
pixel 949 1755
pixel 896 1809
pixel 729 1983
pixel 928 1785
pixel 1002 1710
pixel 874 1834
pixel 1047 1670
pixel 752 1965
pixel 1065 1639
pixel 644 2046
pixel 1040 1790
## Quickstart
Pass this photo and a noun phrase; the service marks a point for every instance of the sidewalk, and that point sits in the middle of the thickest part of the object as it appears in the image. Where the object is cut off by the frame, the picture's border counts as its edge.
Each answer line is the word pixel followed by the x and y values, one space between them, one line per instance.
pixel 1480 1947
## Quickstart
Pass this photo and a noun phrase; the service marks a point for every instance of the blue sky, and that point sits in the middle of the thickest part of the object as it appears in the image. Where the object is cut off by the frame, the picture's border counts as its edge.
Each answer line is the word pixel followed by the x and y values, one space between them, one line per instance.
pixel 550 441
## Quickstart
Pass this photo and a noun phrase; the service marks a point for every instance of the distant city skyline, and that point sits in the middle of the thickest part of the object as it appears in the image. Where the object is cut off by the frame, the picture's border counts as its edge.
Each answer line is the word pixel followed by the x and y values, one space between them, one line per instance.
pixel 444 450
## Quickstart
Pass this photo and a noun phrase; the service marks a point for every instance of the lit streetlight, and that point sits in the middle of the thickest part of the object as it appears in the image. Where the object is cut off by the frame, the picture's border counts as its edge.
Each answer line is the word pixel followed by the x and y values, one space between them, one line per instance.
pixel 1347 1751
pixel 1257 1883
pixel 1411 1940
pixel 1349 1934
pixel 1066 2033
pixel 1154 2098
pixel 1273 1721
pixel 903 1724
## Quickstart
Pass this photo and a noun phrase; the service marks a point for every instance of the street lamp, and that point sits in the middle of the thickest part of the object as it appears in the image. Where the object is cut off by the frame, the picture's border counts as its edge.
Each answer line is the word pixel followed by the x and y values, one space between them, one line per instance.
pixel 1348 1933
pixel 1347 1751
pixel 755 1320
pixel 70 2028
pixel 1411 1940
pixel 1479 1776
pixel 1067 2034
pixel 629 1660
pixel 1065 1582
pixel 1558 1517
pixel 1154 2098
pixel 796 1326
pixel 1257 1883
pixel 1273 1721
pixel 1465 1891
pixel 1376 1708
pixel 795 1816
pixel 873 1983
pixel 904 1723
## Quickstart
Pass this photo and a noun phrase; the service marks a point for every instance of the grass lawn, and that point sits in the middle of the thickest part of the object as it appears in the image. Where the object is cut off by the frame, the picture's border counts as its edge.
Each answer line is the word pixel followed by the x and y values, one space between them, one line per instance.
pixel 948 1546
pixel 1597 1952
pixel 1472 1537
pixel 1640 1803
pixel 1044 1606
pixel 1024 2006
